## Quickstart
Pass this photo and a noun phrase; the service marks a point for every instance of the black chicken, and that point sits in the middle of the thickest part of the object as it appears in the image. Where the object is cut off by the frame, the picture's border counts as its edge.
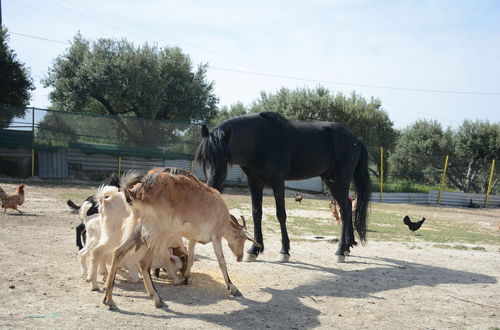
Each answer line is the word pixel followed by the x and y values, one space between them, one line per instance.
pixel 473 205
pixel 413 226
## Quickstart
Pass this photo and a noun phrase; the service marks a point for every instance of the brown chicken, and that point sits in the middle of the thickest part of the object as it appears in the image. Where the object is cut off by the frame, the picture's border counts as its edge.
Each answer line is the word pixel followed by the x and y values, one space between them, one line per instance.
pixel 335 209
pixel 12 201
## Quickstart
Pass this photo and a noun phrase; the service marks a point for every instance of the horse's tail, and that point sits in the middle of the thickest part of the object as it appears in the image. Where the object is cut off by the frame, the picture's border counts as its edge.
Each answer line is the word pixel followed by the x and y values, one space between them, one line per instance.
pixel 362 185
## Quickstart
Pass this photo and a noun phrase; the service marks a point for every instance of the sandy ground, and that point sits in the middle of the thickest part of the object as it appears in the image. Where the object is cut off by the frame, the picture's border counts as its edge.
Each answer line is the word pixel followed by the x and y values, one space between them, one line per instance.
pixel 383 285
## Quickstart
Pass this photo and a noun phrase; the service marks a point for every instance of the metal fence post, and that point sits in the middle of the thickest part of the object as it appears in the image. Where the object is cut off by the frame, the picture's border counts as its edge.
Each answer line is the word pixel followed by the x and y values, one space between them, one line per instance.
pixel 381 172
pixel 33 142
pixel 443 179
pixel 489 183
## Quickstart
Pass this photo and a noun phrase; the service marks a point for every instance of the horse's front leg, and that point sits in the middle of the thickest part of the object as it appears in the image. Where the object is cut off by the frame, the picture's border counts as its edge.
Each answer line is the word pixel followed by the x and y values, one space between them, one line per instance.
pixel 256 190
pixel 279 198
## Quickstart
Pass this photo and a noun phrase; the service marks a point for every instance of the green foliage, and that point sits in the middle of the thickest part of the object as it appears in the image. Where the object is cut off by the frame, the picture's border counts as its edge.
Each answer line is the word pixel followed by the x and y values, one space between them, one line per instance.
pixel 420 152
pixel 15 83
pixel 476 144
pixel 406 186
pixel 234 110
pixel 115 77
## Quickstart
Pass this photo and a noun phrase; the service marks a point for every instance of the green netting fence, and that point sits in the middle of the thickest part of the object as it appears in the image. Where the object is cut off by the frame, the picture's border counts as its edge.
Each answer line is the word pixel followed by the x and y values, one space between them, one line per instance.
pixel 44 129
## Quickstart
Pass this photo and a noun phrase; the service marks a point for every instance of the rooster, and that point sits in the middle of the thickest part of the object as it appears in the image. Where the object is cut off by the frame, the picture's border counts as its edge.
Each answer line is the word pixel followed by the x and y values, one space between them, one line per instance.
pixel 413 226
pixel 11 201
pixel 298 198
pixel 335 209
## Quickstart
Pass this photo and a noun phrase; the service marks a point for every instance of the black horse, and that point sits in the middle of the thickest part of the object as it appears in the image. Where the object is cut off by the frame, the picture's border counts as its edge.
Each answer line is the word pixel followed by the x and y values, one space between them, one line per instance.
pixel 271 149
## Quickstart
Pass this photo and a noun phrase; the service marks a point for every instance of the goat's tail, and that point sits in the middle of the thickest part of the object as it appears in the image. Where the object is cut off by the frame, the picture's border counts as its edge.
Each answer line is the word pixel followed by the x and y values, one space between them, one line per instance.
pixel 2 193
pixel 72 205
pixel 362 185
pixel 129 179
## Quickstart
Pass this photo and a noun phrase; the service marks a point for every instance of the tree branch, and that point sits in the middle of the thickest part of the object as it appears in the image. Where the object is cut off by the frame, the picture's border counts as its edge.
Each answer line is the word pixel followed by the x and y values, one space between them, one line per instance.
pixel 116 117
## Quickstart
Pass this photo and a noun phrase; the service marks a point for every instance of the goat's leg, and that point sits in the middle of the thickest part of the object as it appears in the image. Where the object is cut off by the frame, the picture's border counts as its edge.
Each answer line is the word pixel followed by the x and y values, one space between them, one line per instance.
pixel 82 256
pixel 145 267
pixel 98 259
pixel 187 273
pixel 216 242
pixel 118 256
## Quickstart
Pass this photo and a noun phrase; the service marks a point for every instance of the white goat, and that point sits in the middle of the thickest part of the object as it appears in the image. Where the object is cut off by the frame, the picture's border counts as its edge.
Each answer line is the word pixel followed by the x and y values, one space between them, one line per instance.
pixel 93 233
pixel 176 205
pixel 115 222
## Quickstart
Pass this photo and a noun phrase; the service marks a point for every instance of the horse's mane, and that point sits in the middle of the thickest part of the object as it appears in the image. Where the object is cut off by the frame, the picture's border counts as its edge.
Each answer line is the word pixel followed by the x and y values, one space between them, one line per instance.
pixel 212 148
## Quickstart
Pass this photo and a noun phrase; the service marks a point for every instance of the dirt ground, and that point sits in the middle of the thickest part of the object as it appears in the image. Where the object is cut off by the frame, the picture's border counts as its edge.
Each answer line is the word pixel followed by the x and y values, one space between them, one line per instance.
pixel 383 285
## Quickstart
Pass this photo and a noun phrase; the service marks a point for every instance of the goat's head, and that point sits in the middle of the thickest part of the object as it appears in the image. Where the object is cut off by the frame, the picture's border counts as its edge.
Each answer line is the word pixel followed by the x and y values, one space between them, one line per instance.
pixel 111 201
pixel 239 235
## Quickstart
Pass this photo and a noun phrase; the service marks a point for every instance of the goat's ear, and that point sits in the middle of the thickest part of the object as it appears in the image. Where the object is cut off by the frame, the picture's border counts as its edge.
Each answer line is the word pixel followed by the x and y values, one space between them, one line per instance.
pixel 204 131
pixel 227 133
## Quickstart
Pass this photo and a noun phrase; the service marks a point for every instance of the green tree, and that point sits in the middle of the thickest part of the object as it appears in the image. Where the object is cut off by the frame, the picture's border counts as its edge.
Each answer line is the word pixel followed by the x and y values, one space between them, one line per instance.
pixel 475 145
pixel 420 152
pixel 115 77
pixel 226 112
pixel 15 83
pixel 366 119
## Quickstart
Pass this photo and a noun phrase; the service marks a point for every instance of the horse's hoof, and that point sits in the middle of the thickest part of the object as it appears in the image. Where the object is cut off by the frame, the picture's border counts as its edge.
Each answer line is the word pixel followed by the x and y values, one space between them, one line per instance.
pixel 340 259
pixel 284 257
pixel 249 257
pixel 347 253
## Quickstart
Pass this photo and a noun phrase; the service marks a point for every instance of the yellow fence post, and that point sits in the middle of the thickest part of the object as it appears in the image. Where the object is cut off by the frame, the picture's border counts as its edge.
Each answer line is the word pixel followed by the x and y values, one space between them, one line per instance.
pixel 33 162
pixel 192 166
pixel 119 166
pixel 489 183
pixel 443 179
pixel 381 171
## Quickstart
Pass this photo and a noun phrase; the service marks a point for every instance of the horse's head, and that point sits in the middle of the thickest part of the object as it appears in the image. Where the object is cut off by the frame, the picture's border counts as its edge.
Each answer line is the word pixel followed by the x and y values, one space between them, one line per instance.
pixel 213 155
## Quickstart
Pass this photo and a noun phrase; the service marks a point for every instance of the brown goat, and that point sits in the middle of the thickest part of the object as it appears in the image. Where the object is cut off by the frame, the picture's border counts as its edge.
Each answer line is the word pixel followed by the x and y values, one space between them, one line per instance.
pixel 176 205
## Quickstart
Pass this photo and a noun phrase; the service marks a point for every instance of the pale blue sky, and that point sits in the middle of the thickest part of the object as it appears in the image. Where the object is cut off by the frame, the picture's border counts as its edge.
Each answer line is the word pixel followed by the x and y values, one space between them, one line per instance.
pixel 253 46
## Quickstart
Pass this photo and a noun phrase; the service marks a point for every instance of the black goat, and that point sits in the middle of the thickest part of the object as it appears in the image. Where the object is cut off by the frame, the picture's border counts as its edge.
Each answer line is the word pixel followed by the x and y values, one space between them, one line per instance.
pixel 94 209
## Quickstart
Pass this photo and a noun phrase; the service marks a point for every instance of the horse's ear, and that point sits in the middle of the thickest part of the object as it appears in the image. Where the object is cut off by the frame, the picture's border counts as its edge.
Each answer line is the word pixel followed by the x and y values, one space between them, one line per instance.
pixel 204 131
pixel 227 133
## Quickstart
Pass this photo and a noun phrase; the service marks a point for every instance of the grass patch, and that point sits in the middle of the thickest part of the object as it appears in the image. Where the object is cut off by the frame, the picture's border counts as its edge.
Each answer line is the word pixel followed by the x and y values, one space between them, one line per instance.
pixel 460 247
pixel 385 222
pixel 407 187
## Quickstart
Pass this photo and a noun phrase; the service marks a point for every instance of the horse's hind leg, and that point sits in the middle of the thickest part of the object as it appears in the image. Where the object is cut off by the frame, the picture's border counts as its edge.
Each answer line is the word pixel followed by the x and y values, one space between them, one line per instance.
pixel 340 191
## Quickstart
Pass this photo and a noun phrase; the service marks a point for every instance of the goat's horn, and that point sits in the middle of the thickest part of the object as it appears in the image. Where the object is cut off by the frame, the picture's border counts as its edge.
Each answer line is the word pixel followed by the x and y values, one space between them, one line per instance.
pixel 244 222
pixel 253 241
pixel 233 219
